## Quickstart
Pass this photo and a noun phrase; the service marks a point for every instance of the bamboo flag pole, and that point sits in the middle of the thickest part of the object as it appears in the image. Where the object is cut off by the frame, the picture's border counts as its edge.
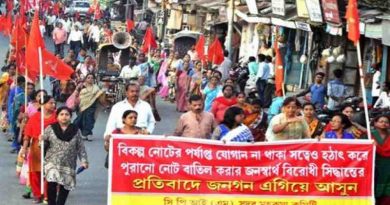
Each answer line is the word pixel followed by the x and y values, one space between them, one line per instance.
pixel 363 89
pixel 42 114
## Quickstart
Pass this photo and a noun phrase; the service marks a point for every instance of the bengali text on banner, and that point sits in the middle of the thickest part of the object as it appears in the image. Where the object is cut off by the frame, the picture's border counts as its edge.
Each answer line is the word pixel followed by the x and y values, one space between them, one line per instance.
pixel 157 170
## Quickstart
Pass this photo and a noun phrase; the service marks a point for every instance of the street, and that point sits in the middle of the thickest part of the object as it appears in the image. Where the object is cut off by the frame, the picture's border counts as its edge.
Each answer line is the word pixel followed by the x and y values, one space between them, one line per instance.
pixel 91 186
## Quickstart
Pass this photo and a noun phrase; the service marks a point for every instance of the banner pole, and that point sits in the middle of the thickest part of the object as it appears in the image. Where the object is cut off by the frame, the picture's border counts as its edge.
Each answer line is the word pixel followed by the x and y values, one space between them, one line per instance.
pixel 42 115
pixel 363 89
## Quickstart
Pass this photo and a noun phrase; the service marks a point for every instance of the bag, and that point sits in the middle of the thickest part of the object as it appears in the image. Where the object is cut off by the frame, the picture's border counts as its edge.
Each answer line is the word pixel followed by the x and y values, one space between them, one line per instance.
pixel 73 101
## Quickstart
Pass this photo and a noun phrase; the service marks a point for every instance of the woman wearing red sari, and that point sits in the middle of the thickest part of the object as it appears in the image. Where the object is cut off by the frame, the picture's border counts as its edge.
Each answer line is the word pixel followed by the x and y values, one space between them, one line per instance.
pixel 183 87
pixel 381 135
pixel 32 132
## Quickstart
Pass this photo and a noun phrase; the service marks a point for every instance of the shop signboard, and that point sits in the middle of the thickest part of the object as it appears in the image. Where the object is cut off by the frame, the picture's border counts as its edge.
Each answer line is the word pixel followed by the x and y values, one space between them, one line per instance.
pixel 279 7
pixel 314 8
pixel 331 11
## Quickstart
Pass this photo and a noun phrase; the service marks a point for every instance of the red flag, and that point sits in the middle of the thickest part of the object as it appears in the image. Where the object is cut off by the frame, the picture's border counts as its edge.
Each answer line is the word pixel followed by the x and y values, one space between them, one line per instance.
pixel 34 42
pixel 7 25
pixel 56 9
pixel 19 36
pixel 54 67
pixel 352 16
pixel 279 71
pixel 9 6
pixel 98 12
pixel 2 22
pixel 215 52
pixel 129 24
pixel 149 41
pixel 199 47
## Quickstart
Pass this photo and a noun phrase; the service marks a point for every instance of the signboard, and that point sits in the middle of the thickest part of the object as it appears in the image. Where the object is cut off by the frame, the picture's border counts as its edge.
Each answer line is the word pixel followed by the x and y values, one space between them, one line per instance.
pixel 331 11
pixel 153 170
pixel 279 7
pixel 314 8
pixel 302 26
pixel 386 32
pixel 302 9
pixel 284 23
pixel 373 30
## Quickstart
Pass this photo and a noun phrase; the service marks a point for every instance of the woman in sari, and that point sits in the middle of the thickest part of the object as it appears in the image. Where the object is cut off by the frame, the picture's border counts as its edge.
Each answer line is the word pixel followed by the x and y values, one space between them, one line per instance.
pixel 162 77
pixel 85 68
pixel 232 128
pixel 381 135
pixel 89 93
pixel 183 86
pixel 315 126
pixel 32 132
pixel 32 108
pixel 196 79
pixel 4 88
pixel 241 103
pixel 288 125
pixel 339 125
pixel 256 120
pixel 210 92
pixel 129 119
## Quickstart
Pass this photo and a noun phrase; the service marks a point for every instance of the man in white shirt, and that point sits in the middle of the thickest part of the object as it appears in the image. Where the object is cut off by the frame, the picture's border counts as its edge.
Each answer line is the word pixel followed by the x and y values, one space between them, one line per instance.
pixel 75 39
pixel 94 35
pixel 132 102
pixel 51 19
pixel 130 71
pixel 225 67
pixel 67 23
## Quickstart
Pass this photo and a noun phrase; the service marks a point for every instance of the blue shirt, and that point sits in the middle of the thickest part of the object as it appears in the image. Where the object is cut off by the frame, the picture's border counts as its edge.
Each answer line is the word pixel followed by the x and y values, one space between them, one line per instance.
pixel 275 107
pixel 264 71
pixel 332 135
pixel 318 93
pixel 253 68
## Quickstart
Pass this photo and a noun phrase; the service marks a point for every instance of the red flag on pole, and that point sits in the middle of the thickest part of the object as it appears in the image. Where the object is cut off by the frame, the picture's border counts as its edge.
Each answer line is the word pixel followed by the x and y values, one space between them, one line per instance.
pixel 352 16
pixel 199 47
pixel 19 36
pixel 149 41
pixel 34 41
pixel 215 52
pixel 129 24
pixel 279 71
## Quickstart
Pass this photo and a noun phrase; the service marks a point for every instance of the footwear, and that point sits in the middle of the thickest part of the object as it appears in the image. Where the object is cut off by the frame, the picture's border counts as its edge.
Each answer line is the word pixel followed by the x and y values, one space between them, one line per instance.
pixel 86 138
pixel 14 151
pixel 27 195
pixel 37 200
pixel 45 201
pixel 156 115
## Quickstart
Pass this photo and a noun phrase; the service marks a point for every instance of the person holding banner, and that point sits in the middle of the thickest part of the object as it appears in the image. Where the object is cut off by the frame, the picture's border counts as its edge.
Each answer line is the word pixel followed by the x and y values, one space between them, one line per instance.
pixel 232 128
pixel 129 119
pixel 288 125
pixel 64 144
pixel 381 135
pixel 31 140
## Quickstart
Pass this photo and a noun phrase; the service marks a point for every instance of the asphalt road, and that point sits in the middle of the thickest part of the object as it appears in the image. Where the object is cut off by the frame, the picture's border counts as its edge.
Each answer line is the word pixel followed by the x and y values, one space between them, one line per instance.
pixel 91 186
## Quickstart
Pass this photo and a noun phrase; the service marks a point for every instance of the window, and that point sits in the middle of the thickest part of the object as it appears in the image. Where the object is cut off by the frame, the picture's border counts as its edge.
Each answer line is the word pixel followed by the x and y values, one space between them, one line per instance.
pixel 82 4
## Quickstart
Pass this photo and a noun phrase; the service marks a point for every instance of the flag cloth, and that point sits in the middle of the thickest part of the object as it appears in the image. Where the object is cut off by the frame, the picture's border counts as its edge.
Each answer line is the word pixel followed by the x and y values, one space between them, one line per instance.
pixel 352 16
pixel 34 42
pixel 129 25
pixel 19 35
pixel 279 71
pixel 98 12
pixel 199 47
pixel 215 52
pixel 149 41
pixel 54 67
pixel 7 29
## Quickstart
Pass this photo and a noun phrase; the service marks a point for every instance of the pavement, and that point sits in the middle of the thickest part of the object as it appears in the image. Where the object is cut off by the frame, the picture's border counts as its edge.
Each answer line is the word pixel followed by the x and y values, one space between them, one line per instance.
pixel 91 186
